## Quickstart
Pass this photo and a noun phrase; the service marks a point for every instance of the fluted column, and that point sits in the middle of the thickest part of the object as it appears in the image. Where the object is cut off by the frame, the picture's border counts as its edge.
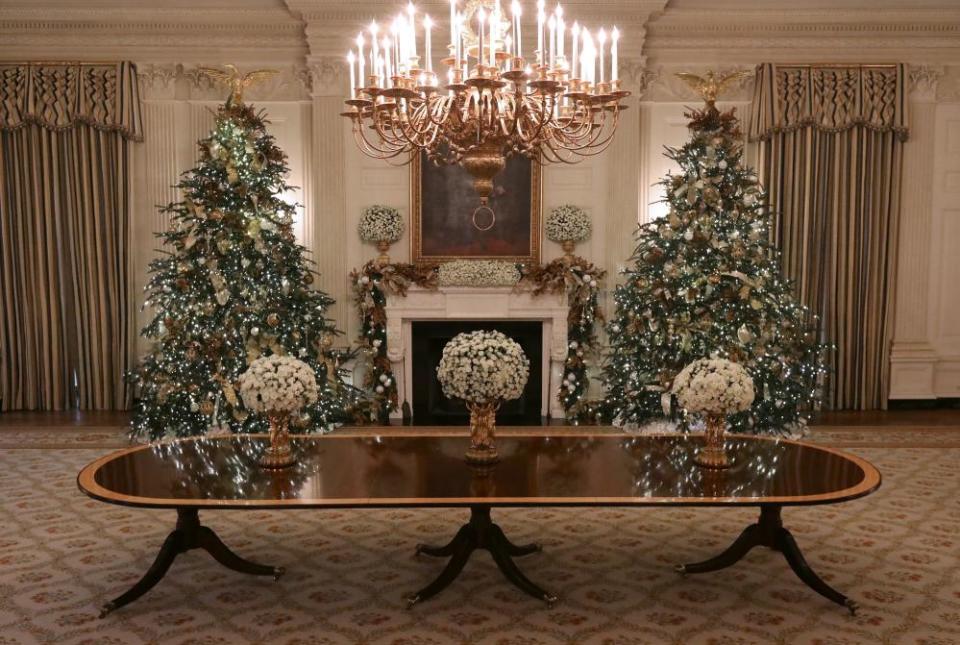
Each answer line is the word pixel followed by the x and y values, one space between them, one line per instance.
pixel 327 210
pixel 912 356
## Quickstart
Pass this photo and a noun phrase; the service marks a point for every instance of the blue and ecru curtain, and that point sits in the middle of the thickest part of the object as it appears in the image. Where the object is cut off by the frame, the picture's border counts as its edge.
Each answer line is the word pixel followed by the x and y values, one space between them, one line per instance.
pixel 64 210
pixel 831 141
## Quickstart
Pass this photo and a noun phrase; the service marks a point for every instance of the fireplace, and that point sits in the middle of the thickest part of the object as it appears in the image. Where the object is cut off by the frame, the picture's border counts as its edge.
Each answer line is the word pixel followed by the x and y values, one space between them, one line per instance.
pixel 431 407
pixel 460 308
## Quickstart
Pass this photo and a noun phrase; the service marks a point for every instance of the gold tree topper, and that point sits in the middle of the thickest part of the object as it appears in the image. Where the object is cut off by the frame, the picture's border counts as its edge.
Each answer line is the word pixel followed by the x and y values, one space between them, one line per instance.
pixel 237 82
pixel 709 86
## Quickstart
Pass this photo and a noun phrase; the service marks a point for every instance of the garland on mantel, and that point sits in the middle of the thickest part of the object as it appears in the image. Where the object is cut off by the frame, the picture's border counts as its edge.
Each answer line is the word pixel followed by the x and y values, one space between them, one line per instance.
pixel 576 276
pixel 580 279
pixel 371 284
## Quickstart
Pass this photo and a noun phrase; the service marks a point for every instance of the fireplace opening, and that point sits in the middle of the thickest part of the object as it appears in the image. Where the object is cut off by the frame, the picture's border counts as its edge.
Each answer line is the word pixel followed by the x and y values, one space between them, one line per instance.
pixel 431 407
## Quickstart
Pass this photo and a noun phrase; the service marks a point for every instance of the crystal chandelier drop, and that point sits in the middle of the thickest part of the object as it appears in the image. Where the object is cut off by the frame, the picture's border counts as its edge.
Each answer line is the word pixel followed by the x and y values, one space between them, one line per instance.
pixel 561 106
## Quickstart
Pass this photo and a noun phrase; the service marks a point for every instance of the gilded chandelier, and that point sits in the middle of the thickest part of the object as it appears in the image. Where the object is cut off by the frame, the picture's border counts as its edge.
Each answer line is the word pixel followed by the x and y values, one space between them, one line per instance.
pixel 561 107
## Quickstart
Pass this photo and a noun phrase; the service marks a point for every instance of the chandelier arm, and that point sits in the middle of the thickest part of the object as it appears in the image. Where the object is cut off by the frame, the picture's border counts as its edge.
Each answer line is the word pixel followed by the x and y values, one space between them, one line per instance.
pixel 373 150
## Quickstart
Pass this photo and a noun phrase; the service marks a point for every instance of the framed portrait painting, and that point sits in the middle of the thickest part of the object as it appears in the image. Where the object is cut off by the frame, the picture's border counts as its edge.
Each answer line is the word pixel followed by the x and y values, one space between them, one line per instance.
pixel 447 225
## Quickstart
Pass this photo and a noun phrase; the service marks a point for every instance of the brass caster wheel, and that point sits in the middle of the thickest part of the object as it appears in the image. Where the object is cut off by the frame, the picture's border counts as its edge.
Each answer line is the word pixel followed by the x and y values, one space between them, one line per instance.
pixel 106 609
pixel 412 599
pixel 681 569
pixel 851 606
pixel 277 572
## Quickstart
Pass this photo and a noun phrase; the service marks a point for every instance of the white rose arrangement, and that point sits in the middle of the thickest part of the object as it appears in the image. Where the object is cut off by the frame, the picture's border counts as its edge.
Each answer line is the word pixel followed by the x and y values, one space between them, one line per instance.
pixel 278 384
pixel 567 223
pixel 483 366
pixel 714 386
pixel 478 273
pixel 380 224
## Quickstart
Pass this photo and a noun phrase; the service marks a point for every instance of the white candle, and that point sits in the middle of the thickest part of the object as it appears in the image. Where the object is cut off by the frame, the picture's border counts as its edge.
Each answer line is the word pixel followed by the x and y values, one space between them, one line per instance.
pixel 360 61
pixel 494 19
pixel 427 26
pixel 614 72
pixel 560 31
pixel 601 38
pixel 387 71
pixel 453 27
pixel 552 24
pixel 517 37
pixel 576 50
pixel 373 49
pixel 353 77
pixel 481 22
pixel 412 31
pixel 541 18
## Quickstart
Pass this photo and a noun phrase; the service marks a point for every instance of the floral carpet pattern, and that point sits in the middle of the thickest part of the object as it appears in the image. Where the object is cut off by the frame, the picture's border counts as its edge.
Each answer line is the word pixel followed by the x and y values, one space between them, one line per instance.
pixel 897 552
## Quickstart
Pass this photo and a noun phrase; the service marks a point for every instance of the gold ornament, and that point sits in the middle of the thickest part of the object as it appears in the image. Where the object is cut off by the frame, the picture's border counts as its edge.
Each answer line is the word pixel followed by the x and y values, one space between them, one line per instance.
pixel 207 407
pixel 273 320
pixel 237 83
pixel 709 86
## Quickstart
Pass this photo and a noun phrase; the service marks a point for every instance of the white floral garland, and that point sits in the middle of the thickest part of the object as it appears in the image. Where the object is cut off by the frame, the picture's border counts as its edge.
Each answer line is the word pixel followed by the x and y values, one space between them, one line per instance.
pixel 714 386
pixel 380 224
pixel 478 273
pixel 567 222
pixel 482 366
pixel 278 384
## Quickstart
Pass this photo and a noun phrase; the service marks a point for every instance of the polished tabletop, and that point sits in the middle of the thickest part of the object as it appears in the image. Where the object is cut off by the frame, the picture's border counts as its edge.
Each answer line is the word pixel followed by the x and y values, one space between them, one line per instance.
pixel 418 471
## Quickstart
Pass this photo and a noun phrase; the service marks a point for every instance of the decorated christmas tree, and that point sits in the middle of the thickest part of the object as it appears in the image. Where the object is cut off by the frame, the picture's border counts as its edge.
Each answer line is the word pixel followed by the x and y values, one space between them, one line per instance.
pixel 705 282
pixel 232 285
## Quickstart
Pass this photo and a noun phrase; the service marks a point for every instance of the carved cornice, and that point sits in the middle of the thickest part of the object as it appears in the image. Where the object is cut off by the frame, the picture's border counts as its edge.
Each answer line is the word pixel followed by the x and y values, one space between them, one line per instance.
pixel 141 34
pixel 326 76
pixel 181 81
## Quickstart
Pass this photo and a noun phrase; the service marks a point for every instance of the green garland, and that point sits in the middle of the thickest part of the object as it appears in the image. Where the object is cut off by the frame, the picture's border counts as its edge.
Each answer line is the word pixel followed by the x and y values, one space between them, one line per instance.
pixel 575 276
pixel 371 285
pixel 580 280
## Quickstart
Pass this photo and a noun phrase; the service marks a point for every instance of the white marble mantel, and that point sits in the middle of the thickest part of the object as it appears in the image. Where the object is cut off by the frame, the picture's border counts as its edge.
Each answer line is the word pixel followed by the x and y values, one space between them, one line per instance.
pixel 479 303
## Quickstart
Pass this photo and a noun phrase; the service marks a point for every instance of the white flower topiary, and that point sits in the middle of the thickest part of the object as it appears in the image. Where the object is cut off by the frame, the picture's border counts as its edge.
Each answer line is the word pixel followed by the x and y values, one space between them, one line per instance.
pixel 478 273
pixel 380 224
pixel 483 366
pixel 278 384
pixel 714 386
pixel 567 222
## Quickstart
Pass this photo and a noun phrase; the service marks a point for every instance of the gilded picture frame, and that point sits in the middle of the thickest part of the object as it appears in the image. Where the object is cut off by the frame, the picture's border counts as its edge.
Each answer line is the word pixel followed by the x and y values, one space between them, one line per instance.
pixel 442 204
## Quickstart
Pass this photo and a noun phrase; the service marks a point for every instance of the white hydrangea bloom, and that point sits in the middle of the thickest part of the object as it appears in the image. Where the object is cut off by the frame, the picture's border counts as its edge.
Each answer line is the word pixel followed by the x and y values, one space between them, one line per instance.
pixel 278 384
pixel 478 273
pixel 483 366
pixel 567 222
pixel 380 224
pixel 714 386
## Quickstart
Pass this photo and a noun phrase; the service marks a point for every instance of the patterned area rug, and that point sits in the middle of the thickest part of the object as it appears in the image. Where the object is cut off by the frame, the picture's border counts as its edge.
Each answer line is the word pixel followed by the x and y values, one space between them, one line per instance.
pixel 897 552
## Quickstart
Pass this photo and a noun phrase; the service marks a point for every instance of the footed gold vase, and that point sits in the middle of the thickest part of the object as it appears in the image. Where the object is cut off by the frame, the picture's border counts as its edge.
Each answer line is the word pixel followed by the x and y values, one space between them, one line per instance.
pixel 483 422
pixel 278 454
pixel 383 246
pixel 714 454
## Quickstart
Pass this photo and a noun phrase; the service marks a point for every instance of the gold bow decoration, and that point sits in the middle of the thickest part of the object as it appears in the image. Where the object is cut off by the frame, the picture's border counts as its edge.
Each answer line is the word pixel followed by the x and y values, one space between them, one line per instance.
pixel 709 86
pixel 237 82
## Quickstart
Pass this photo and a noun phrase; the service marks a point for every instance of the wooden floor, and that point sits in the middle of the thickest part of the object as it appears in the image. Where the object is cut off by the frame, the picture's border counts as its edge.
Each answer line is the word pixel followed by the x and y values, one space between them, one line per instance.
pixel 891 418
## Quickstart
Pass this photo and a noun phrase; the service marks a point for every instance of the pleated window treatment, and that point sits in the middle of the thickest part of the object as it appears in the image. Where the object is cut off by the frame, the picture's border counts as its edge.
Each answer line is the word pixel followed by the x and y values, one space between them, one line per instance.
pixel 831 160
pixel 64 208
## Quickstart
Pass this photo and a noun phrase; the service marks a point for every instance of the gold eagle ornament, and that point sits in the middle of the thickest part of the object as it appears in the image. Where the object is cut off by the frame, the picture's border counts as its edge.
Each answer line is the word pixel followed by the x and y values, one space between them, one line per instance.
pixel 709 86
pixel 237 82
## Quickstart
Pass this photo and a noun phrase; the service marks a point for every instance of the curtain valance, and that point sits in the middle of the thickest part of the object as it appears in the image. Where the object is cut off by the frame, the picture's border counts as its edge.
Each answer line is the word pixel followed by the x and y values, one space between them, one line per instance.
pixel 56 96
pixel 829 98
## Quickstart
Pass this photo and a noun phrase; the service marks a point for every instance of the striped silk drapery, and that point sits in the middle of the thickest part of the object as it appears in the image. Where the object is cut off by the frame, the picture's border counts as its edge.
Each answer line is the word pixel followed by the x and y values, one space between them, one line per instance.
pixel 64 210
pixel 831 156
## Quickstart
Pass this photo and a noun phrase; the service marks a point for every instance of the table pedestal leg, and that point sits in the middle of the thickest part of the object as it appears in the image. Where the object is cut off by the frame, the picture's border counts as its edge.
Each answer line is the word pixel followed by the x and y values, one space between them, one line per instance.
pixel 189 534
pixel 479 533
pixel 769 532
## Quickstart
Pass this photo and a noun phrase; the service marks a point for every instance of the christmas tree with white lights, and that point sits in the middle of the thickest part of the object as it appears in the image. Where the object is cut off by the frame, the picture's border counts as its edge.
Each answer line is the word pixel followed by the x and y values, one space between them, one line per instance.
pixel 235 286
pixel 705 281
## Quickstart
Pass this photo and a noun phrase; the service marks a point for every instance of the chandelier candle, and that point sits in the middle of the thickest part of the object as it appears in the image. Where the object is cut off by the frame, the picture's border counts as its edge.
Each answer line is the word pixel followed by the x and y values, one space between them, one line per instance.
pixel 491 104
